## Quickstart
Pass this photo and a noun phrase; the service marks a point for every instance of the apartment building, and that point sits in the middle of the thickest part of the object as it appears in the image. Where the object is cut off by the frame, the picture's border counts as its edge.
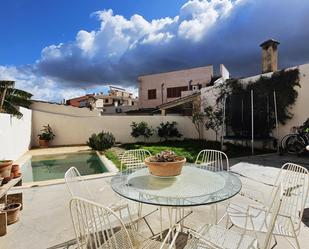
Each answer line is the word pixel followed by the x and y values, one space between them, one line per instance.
pixel 161 88
pixel 117 100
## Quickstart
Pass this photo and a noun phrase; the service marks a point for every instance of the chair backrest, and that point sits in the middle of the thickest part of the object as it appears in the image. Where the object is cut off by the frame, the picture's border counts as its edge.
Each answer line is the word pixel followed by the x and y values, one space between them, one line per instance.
pixel 272 215
pixel 134 159
pixel 213 160
pixel 76 184
pixel 295 183
pixel 97 226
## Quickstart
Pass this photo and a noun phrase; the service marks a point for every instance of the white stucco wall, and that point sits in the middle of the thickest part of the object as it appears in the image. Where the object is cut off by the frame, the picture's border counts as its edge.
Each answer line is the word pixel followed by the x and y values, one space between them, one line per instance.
pixel 15 135
pixel 71 130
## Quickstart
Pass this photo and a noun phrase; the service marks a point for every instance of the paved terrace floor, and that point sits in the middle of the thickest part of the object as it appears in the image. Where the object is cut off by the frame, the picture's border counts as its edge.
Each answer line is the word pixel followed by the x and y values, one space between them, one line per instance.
pixel 273 160
pixel 45 221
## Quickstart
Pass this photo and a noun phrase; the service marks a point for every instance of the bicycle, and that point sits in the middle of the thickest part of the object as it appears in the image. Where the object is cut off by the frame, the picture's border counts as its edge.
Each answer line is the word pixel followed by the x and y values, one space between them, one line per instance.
pixel 296 142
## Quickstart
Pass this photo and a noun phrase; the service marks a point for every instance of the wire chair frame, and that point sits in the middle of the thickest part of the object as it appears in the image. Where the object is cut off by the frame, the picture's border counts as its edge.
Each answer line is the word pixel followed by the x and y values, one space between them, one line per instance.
pixel 213 160
pixel 214 236
pixel 93 225
pixel 97 226
pixel 132 160
pixel 76 184
pixel 294 180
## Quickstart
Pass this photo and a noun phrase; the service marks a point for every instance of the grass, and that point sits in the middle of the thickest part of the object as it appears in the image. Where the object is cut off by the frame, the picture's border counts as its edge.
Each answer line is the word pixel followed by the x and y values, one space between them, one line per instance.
pixel 111 155
pixel 190 148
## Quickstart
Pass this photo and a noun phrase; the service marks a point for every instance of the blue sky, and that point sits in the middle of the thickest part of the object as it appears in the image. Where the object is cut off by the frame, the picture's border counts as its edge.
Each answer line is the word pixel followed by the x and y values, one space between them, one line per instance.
pixel 57 49
pixel 30 25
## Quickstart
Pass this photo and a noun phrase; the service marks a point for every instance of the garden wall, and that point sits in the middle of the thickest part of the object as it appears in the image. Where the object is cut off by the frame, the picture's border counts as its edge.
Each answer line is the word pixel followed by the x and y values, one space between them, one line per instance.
pixel 72 130
pixel 300 110
pixel 15 135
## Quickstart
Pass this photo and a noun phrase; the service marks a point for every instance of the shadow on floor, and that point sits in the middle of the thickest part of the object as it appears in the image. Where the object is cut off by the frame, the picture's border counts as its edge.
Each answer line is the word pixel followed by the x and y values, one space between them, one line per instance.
pixel 273 160
pixel 305 218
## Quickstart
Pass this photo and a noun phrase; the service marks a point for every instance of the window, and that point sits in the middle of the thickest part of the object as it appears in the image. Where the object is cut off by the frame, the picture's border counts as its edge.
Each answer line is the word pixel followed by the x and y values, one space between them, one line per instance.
pixel 175 92
pixel 152 93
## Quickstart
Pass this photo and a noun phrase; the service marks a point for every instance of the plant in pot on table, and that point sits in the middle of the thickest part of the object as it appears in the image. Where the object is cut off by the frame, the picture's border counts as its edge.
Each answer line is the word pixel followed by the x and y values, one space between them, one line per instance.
pixel 45 136
pixel 165 164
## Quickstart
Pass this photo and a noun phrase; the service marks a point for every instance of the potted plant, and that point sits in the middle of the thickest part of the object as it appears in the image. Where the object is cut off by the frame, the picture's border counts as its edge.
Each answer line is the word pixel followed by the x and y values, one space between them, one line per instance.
pixel 5 168
pixel 16 170
pixel 45 136
pixel 165 164
pixel 12 210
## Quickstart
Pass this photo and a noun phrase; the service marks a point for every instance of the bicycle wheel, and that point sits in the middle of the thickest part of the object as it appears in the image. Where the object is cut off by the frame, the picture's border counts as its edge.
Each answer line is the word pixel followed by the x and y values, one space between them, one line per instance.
pixel 295 144
pixel 283 141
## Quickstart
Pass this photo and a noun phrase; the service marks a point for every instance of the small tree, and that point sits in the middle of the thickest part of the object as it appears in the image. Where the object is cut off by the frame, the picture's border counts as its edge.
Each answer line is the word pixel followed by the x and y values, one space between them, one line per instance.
pixel 168 130
pixel 141 129
pixel 102 141
pixel 214 119
pixel 198 120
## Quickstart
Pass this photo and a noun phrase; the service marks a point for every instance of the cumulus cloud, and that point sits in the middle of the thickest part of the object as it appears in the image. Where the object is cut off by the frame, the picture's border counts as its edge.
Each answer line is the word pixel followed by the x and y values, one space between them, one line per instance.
pixel 43 88
pixel 204 32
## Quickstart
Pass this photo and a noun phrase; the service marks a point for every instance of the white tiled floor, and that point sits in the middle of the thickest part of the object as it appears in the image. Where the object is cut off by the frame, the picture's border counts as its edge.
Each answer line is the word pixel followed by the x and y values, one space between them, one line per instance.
pixel 45 220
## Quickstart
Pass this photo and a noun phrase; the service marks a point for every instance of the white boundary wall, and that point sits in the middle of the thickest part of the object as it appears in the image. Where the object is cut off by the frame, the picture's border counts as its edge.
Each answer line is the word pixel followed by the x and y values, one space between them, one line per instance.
pixel 15 135
pixel 72 130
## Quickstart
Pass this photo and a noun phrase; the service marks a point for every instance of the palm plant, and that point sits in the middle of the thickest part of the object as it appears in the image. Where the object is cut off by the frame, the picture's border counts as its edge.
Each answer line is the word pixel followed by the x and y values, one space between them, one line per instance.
pixel 11 98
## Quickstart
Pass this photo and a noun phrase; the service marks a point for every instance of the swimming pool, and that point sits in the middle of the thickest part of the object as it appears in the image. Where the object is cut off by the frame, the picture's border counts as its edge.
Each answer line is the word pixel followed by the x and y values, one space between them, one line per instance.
pixel 48 167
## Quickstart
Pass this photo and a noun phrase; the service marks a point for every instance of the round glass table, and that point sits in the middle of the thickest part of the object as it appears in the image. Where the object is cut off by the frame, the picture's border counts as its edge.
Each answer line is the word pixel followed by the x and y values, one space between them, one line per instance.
pixel 194 187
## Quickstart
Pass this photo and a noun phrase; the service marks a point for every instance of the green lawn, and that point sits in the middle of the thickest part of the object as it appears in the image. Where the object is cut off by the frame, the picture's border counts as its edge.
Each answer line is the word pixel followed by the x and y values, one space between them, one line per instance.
pixel 111 155
pixel 190 148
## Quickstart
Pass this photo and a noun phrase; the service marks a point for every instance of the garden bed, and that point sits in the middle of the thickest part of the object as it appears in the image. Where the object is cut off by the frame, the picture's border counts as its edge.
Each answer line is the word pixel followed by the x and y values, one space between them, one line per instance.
pixel 188 148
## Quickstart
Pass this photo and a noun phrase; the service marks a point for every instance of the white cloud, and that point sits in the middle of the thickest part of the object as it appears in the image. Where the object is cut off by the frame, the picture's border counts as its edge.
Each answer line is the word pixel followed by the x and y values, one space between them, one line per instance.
pixel 204 32
pixel 42 88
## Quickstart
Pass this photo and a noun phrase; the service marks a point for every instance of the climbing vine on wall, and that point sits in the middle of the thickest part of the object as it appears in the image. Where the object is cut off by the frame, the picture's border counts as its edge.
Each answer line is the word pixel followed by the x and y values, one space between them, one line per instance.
pixel 238 102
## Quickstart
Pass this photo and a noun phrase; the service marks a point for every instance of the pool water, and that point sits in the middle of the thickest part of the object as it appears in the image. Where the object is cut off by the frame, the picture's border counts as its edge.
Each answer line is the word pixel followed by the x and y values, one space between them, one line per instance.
pixel 48 167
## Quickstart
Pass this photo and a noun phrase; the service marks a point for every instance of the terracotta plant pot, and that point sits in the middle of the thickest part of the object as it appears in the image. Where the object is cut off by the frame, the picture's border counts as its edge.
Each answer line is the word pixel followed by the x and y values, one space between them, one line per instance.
pixel 12 211
pixel 43 143
pixel 5 168
pixel 15 170
pixel 165 169
pixel 17 175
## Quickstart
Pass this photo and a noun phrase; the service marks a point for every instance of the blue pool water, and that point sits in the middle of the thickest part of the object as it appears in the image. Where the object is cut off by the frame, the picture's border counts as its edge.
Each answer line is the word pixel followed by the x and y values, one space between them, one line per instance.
pixel 48 167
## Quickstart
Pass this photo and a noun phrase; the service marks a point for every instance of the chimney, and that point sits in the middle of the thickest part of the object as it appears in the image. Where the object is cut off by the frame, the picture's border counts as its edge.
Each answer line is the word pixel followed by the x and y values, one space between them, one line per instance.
pixel 269 56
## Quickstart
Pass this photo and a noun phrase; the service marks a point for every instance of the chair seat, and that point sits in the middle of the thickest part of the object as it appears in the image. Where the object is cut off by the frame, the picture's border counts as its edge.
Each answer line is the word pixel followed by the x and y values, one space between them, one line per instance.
pixel 239 216
pixel 214 236
pixel 120 241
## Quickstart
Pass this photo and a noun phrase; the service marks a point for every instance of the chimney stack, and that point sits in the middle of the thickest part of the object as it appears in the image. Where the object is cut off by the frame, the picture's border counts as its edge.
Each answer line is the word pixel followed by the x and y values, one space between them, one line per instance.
pixel 269 56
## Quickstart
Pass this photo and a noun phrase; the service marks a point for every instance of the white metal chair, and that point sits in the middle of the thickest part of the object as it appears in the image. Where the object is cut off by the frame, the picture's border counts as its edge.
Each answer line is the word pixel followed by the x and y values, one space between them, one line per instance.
pixel 132 160
pixel 78 188
pixel 295 182
pixel 76 185
pixel 213 160
pixel 215 236
pixel 99 227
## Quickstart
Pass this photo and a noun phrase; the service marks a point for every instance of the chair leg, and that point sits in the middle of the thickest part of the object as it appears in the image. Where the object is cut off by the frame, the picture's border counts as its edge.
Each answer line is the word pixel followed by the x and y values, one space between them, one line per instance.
pixel 139 214
pixel 275 243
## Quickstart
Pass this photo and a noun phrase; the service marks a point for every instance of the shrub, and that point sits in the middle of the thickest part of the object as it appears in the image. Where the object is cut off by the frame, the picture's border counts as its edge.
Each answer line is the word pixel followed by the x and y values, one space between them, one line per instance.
pixel 168 130
pixel 141 129
pixel 101 141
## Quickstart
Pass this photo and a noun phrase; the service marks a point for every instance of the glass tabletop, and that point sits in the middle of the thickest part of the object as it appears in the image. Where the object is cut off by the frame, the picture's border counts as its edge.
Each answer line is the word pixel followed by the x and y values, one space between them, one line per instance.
pixel 194 187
